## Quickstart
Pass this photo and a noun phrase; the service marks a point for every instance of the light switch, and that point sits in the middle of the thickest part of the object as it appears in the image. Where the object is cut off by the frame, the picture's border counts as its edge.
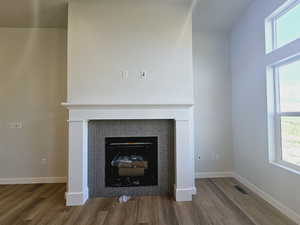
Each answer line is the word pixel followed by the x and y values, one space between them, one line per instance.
pixel 19 125
pixel 143 75
pixel 124 74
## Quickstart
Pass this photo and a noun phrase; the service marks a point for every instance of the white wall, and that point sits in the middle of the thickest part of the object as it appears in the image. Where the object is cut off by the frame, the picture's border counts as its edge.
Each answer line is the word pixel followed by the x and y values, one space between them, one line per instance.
pixel 127 36
pixel 110 36
pixel 213 136
pixel 249 117
pixel 32 86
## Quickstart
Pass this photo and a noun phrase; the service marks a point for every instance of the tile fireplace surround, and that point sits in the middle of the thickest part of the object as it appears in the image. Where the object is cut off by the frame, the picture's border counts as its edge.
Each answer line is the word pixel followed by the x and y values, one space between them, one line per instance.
pixel 80 114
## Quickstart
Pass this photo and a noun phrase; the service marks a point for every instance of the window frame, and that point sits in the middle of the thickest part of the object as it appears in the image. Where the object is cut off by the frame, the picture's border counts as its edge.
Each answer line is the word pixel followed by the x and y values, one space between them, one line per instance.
pixel 271 25
pixel 275 156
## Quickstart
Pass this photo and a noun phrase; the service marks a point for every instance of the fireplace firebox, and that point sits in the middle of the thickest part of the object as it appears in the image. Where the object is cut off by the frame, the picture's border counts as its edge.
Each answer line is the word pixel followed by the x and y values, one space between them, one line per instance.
pixel 131 161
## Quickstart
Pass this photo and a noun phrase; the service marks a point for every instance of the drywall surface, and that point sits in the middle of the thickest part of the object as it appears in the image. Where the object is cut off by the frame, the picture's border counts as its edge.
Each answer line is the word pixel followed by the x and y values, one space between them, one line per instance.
pixel 33 83
pixel 106 38
pixel 249 116
pixel 213 136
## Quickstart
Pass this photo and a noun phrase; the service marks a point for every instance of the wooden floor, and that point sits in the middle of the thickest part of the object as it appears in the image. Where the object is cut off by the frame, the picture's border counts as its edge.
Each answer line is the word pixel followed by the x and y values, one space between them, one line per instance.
pixel 218 202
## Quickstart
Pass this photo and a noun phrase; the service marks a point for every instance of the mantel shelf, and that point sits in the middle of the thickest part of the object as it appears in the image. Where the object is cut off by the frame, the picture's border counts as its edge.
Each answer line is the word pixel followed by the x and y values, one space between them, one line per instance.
pixel 99 106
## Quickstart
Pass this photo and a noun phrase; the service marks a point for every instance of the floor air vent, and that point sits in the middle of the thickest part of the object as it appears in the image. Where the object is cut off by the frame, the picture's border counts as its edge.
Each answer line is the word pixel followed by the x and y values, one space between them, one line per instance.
pixel 240 189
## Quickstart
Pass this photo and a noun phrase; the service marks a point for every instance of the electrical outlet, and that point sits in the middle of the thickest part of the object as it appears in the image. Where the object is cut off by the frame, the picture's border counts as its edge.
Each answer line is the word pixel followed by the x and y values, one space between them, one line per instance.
pixel 15 125
pixel 143 75
pixel 44 161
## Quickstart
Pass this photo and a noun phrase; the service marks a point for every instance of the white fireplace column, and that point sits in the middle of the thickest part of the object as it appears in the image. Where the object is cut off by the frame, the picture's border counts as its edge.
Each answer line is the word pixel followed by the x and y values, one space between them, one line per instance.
pixel 77 192
pixel 79 115
pixel 184 187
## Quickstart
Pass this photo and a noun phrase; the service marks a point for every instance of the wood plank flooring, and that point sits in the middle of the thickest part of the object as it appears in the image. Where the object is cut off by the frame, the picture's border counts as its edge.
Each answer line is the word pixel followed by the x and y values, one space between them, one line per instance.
pixel 217 202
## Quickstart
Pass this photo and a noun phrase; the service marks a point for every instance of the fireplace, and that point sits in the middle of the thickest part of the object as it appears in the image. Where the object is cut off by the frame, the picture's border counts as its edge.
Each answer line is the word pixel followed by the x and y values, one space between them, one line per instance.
pixel 81 185
pixel 131 161
pixel 130 157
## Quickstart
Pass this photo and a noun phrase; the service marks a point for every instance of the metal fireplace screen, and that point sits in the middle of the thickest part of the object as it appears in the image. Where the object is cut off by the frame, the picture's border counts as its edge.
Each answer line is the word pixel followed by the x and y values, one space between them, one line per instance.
pixel 131 161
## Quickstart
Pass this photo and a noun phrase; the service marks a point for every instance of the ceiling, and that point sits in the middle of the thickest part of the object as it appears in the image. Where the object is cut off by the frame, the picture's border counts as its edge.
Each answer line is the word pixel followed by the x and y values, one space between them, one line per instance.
pixel 33 13
pixel 207 14
pixel 217 14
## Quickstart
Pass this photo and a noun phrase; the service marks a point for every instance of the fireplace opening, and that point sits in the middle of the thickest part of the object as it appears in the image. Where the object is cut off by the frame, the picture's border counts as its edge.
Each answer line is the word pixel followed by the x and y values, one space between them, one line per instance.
pixel 131 161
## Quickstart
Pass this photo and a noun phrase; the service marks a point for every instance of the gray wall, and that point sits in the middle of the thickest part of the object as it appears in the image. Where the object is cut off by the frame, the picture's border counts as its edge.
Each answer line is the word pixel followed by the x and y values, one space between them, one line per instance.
pixel 212 84
pixel 248 66
pixel 32 86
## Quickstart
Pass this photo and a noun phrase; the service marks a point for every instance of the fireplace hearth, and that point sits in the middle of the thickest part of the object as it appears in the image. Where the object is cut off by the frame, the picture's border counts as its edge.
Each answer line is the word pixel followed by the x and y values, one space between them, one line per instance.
pixel 131 161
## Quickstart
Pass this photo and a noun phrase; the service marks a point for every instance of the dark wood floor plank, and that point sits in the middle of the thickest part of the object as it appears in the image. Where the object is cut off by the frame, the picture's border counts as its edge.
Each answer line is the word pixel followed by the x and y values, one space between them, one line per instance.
pixel 16 191
pixel 98 211
pixel 251 205
pixel 13 209
pixel 72 215
pixel 216 203
pixel 186 213
pixel 214 208
pixel 147 210
pixel 44 204
pixel 116 214
pixel 6 190
pixel 166 211
pixel 47 209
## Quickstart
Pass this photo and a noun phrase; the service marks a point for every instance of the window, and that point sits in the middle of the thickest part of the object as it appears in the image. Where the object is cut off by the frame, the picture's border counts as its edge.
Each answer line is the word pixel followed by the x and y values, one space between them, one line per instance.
pixel 283 87
pixel 282 27
pixel 286 83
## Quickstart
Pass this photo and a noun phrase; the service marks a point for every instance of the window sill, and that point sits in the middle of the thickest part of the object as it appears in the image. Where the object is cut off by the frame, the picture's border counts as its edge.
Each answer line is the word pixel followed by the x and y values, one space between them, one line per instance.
pixel 278 164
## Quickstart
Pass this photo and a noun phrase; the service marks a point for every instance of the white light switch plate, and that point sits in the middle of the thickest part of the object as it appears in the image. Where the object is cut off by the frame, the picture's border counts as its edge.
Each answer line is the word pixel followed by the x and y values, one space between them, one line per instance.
pixel 124 74
pixel 15 125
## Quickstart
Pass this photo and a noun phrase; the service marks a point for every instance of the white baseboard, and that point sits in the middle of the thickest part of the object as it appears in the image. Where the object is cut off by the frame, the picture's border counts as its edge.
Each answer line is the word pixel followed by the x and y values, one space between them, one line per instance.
pixel 33 180
pixel 275 203
pixel 77 198
pixel 184 194
pixel 199 175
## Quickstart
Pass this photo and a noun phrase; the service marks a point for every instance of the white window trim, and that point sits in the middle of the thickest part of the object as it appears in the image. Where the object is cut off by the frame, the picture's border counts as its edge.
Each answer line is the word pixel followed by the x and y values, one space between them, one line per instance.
pixel 275 114
pixel 270 25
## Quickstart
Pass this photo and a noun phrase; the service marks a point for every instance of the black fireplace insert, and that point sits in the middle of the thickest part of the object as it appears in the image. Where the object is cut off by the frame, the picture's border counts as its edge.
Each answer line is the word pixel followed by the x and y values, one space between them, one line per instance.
pixel 131 161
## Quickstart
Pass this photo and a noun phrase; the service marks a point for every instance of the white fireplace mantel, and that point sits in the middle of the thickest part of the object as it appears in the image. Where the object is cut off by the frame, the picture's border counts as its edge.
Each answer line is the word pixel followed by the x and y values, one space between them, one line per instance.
pixel 80 114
